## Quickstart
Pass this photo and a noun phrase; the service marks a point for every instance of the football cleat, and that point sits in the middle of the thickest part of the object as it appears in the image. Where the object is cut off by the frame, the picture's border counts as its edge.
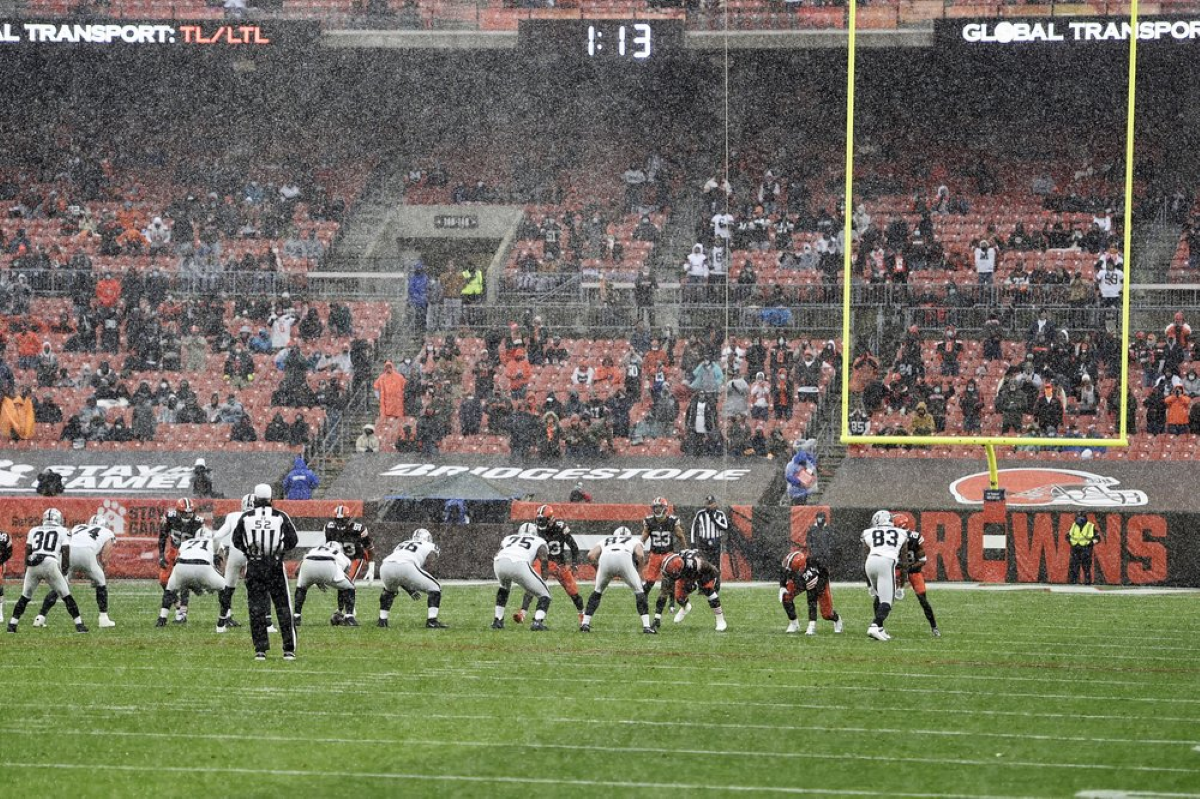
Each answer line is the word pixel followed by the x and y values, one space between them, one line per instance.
pixel 289 655
pixel 837 625
pixel 337 619
pixel 899 594
pixel 81 628
pixel 349 621
pixel 271 628
pixel 181 618
pixel 793 626
pixel 936 632
pixel 162 622
pixel 812 628
pixel 875 632
pixel 435 624
pixel 12 626
pixel 382 623
pixel 260 655
pixel 721 624
pixel 221 628
pixel 105 621
pixel 497 624
pixel 39 621
pixel 651 630
pixel 538 626
pixel 585 628
pixel 683 612
pixel 519 616
pixel 232 622
pixel 656 624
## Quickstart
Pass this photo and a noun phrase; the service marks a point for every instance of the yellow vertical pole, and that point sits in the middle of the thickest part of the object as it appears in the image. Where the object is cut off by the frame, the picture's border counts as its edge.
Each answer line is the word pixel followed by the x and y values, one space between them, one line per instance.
pixel 993 471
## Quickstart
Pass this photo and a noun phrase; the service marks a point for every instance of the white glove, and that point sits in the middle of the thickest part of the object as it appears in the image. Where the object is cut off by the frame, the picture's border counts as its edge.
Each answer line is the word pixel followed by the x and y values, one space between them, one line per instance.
pixel 782 594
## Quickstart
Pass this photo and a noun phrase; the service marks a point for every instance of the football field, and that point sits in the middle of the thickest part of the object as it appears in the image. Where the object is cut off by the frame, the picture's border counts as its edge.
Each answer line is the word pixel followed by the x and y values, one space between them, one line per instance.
pixel 1028 693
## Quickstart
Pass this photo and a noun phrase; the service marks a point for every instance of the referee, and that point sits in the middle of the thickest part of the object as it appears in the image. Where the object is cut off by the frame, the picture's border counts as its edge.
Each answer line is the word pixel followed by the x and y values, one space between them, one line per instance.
pixel 708 529
pixel 265 534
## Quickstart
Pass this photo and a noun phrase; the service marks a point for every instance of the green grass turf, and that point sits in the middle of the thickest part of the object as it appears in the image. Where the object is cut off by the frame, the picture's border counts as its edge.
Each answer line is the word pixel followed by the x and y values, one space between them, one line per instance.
pixel 1028 693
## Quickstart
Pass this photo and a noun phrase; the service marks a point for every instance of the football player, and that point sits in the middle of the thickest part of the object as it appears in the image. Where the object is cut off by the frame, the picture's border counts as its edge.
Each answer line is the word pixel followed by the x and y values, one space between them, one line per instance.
pixel 324 566
pixel 663 530
pixel 193 570
pixel 619 555
pixel 235 561
pixel 90 545
pixel 46 550
pixel 6 551
pixel 356 543
pixel 404 569
pixel 682 573
pixel 910 569
pixel 885 544
pixel 514 563
pixel 178 525
pixel 559 540
pixel 803 573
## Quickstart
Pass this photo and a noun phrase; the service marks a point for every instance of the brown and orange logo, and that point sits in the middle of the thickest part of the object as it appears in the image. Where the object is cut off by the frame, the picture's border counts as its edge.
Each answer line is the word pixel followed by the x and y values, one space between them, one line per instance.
pixel 1037 486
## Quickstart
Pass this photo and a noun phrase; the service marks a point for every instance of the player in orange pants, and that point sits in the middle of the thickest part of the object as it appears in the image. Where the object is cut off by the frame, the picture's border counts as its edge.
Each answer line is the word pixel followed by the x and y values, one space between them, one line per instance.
pixel 802 573
pixel 560 544
pixel 912 572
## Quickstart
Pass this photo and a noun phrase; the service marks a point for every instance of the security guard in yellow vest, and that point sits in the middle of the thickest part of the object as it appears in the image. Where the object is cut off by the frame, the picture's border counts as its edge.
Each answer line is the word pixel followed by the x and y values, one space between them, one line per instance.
pixel 473 289
pixel 1082 537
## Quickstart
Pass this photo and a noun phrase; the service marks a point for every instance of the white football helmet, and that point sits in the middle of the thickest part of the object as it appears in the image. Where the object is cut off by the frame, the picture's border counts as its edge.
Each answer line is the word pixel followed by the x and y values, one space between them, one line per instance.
pixel 882 518
pixel 422 535
pixel 622 531
pixel 527 528
pixel 52 516
pixel 335 546
pixel 247 502
pixel 98 520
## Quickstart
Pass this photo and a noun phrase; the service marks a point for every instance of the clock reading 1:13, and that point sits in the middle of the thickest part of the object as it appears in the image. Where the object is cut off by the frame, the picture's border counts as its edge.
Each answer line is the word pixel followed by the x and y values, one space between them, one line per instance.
pixel 636 43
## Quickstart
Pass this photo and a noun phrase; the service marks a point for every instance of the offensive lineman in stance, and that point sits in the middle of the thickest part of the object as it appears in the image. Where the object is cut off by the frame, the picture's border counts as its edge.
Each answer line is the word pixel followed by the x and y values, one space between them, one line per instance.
pixel 803 573
pixel 682 573
pixel 324 566
pixel 514 563
pixel 559 540
pixel 46 549
pixel 356 544
pixel 90 545
pixel 404 569
pixel 178 526
pixel 663 530
pixel 619 555
pixel 885 543
pixel 193 570
pixel 911 569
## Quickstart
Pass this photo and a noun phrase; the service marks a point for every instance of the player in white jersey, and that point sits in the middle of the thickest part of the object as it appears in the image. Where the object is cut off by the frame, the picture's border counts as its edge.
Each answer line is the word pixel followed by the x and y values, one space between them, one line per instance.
pixel 620 555
pixel 514 564
pixel 235 561
pixel 6 551
pixel 46 550
pixel 884 543
pixel 193 571
pixel 325 566
pixel 404 569
pixel 90 544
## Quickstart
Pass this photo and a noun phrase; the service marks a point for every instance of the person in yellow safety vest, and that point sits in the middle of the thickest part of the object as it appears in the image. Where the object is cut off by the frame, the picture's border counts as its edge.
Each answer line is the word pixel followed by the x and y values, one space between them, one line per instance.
pixel 1082 537
pixel 473 279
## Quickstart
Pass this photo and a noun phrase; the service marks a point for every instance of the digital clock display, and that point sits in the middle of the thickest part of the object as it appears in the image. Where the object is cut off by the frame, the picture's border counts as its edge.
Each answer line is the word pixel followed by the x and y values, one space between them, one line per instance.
pixel 635 39
pixel 602 40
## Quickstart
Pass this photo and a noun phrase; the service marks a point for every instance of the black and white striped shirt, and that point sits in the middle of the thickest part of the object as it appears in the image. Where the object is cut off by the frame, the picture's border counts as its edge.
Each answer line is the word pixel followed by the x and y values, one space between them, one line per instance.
pixel 708 527
pixel 265 534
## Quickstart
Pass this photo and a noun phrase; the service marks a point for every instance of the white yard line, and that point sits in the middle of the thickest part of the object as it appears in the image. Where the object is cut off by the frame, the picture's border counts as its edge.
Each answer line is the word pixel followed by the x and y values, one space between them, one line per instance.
pixel 390 775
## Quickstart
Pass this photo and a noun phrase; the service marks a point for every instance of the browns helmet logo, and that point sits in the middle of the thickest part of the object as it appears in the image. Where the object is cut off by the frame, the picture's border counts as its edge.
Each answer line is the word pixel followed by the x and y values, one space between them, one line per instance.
pixel 1033 487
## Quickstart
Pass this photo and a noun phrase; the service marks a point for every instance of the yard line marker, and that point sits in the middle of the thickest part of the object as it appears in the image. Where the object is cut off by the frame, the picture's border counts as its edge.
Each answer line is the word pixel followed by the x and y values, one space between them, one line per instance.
pixel 309 773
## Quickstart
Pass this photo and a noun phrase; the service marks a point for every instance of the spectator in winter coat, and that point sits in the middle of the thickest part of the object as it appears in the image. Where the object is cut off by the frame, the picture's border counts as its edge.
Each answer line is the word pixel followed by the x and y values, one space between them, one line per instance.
pixel 801 473
pixel 368 441
pixel 300 481
pixel 389 389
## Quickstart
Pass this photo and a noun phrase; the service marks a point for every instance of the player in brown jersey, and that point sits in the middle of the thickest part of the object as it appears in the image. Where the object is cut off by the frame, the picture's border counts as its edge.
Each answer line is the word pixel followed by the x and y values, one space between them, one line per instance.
pixel 911 569
pixel 177 526
pixel 684 572
pixel 802 573
pixel 559 542
pixel 661 531
pixel 356 545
